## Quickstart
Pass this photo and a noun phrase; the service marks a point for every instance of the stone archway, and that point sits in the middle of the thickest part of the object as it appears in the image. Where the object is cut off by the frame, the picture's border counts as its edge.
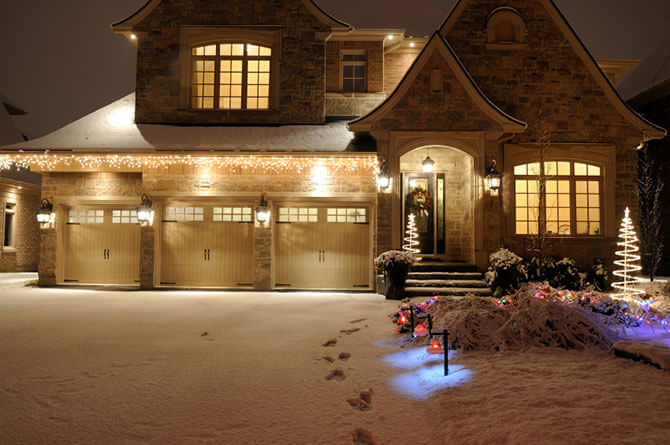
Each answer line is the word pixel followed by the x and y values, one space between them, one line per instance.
pixel 447 226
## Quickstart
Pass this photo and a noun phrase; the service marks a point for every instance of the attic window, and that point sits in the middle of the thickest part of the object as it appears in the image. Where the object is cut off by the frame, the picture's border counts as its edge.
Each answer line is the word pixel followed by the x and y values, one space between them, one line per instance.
pixel 505 29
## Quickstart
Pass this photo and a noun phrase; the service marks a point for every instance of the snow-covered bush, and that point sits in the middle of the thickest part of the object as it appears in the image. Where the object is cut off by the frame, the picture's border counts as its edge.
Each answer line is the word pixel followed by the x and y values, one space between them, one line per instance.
pixel 506 271
pixel 596 277
pixel 565 275
pixel 394 260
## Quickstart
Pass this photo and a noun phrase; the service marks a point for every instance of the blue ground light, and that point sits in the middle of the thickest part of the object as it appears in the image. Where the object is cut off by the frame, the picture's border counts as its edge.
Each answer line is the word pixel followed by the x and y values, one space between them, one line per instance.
pixel 427 375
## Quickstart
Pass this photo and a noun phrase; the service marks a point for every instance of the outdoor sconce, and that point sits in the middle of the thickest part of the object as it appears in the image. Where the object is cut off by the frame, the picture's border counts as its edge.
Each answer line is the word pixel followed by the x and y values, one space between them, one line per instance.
pixel 384 177
pixel 45 213
pixel 263 211
pixel 493 177
pixel 144 213
pixel 427 165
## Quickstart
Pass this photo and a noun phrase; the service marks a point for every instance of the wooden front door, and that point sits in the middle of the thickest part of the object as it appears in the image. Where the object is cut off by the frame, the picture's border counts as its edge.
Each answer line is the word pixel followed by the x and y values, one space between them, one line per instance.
pixel 207 246
pixel 321 247
pixel 431 220
pixel 102 246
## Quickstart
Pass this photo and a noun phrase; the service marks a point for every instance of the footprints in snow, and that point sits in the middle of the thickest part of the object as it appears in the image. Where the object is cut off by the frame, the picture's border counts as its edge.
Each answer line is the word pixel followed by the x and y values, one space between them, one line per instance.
pixel 361 436
pixel 363 402
pixel 336 374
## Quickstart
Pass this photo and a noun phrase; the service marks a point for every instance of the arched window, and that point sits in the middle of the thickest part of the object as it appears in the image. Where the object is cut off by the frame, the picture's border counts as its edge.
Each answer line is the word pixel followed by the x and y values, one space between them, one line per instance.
pixel 572 204
pixel 231 76
pixel 505 26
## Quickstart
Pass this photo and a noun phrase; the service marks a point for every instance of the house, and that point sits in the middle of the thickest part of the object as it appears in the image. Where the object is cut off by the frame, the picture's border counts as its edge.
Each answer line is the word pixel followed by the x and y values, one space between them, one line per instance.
pixel 647 89
pixel 275 147
pixel 19 197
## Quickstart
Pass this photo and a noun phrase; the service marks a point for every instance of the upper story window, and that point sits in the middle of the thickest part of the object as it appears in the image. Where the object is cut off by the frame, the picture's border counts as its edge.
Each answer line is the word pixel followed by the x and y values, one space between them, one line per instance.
pixel 572 204
pixel 505 28
pixel 353 72
pixel 231 76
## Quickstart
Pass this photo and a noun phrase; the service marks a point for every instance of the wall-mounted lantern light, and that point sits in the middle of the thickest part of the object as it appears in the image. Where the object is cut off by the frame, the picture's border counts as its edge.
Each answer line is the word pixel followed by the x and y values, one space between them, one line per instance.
pixel 493 177
pixel 427 165
pixel 144 213
pixel 384 177
pixel 263 211
pixel 45 213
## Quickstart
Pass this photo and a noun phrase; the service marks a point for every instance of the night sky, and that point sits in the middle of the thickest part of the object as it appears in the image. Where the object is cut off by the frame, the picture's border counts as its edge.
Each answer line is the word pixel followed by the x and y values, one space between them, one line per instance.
pixel 60 59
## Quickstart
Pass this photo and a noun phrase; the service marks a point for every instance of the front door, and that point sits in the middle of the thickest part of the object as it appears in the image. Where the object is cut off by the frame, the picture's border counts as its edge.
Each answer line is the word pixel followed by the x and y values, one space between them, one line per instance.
pixel 424 197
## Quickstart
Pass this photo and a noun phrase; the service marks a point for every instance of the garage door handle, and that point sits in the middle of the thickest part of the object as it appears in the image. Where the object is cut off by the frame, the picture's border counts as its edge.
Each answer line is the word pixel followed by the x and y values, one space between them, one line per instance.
pixel 208 257
pixel 204 254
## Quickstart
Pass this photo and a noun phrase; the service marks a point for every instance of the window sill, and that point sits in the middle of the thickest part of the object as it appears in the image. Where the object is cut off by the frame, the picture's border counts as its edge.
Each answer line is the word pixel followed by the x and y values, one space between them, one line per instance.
pixel 6 249
pixel 219 110
pixel 505 46
pixel 362 94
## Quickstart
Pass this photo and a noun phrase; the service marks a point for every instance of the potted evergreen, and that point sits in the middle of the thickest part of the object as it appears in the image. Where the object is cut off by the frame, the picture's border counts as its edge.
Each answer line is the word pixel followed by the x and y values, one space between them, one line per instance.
pixel 395 265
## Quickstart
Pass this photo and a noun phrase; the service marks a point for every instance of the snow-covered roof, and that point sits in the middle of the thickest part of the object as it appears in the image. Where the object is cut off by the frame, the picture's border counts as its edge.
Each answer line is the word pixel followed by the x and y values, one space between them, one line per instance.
pixel 112 129
pixel 652 71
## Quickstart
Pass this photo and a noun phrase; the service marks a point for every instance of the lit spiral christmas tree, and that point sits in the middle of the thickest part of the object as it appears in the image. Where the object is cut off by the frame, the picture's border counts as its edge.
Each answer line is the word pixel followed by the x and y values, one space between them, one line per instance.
pixel 411 236
pixel 629 262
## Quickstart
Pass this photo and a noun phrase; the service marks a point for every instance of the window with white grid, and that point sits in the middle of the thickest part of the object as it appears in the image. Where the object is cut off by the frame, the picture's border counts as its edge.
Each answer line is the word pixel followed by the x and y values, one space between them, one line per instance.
pixel 298 214
pixel 232 214
pixel 184 214
pixel 124 217
pixel 86 217
pixel 346 215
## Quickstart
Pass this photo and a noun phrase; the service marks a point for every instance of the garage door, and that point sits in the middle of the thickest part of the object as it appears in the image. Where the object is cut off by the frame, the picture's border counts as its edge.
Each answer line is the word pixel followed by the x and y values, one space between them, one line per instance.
pixel 322 247
pixel 102 246
pixel 207 246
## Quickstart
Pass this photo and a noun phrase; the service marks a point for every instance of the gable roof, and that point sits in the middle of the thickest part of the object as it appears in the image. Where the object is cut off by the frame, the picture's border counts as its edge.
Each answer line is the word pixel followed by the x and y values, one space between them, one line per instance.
pixel 126 25
pixel 437 43
pixel 111 129
pixel 649 129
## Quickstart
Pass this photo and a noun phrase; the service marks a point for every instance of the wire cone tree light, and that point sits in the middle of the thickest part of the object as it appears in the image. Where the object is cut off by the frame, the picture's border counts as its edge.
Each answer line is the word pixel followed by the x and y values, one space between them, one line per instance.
pixel 629 262
pixel 411 236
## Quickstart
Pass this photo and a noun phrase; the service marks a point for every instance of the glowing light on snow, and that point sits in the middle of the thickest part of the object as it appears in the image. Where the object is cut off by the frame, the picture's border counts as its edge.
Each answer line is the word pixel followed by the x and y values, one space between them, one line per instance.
pixel 123 117
pixel 412 358
pixel 425 381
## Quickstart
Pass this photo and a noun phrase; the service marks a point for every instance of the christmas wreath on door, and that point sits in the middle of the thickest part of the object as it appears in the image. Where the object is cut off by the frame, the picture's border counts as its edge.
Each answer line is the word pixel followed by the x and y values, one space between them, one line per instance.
pixel 419 201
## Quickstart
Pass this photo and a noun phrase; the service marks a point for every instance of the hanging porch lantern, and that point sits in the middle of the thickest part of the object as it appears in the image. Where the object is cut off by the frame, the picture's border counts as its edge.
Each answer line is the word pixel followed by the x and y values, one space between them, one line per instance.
pixel 45 213
pixel 427 165
pixel 493 177
pixel 263 211
pixel 144 213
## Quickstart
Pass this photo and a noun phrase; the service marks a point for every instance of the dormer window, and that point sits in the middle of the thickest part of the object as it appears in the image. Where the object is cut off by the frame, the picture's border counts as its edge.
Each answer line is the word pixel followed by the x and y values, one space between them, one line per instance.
pixel 231 76
pixel 505 29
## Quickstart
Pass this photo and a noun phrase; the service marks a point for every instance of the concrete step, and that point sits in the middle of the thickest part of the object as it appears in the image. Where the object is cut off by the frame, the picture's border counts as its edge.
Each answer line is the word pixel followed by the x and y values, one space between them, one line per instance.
pixel 446 283
pixel 445 276
pixel 437 266
pixel 446 291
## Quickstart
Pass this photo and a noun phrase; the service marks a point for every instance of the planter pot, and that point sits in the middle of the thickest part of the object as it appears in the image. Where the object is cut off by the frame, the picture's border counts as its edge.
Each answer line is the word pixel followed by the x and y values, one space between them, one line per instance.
pixel 396 288
pixel 382 284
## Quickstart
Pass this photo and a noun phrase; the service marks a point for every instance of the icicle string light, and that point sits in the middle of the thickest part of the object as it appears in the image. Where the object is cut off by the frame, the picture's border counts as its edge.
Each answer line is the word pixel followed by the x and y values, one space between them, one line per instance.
pixel 629 262
pixel 243 163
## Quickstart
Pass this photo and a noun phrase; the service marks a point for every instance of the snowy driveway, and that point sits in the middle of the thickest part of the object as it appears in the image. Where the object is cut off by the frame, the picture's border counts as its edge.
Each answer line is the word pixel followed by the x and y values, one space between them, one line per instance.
pixel 105 366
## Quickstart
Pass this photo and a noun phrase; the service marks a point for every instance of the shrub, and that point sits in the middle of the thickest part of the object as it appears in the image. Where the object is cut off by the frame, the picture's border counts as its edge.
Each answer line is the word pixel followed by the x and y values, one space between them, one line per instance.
pixel 506 270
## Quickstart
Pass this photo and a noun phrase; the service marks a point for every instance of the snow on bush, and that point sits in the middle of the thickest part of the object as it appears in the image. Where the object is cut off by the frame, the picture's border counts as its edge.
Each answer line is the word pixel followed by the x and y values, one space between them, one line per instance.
pixel 392 259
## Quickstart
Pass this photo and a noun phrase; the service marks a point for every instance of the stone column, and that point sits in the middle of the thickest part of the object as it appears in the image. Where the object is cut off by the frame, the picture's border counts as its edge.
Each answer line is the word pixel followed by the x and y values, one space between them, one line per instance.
pixel 147 255
pixel 263 253
pixel 47 264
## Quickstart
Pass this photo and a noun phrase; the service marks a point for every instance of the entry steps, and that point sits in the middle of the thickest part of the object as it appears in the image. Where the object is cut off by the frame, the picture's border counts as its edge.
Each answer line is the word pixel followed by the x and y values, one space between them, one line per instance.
pixel 426 279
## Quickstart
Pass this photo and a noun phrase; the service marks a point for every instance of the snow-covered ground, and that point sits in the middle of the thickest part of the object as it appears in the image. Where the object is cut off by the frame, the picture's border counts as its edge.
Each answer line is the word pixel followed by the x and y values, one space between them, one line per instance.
pixel 83 366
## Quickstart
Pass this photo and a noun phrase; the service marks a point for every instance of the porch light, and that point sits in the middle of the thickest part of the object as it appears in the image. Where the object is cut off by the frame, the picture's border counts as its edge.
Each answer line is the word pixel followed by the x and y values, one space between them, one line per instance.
pixel 384 177
pixel 144 213
pixel 45 213
pixel 493 177
pixel 263 211
pixel 428 165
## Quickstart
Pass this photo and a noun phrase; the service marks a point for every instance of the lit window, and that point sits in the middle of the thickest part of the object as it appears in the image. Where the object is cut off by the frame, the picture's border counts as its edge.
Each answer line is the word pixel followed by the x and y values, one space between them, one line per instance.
pixel 124 217
pixel 231 76
pixel 231 214
pixel 344 215
pixel 86 217
pixel 10 215
pixel 353 72
pixel 572 198
pixel 184 214
pixel 298 214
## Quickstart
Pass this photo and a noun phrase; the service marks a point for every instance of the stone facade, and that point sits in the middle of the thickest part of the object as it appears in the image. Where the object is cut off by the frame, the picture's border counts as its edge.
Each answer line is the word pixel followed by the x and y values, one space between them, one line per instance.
pixel 24 198
pixel 396 65
pixel 160 80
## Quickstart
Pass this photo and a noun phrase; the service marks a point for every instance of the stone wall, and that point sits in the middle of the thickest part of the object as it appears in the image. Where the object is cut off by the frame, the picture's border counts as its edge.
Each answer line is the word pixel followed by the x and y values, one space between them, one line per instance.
pixel 24 254
pixel 396 65
pixel 301 79
pixel 352 104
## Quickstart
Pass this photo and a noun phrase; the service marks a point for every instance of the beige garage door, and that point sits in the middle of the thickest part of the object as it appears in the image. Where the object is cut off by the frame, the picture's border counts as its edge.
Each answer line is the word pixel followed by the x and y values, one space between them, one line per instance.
pixel 102 246
pixel 207 246
pixel 322 247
